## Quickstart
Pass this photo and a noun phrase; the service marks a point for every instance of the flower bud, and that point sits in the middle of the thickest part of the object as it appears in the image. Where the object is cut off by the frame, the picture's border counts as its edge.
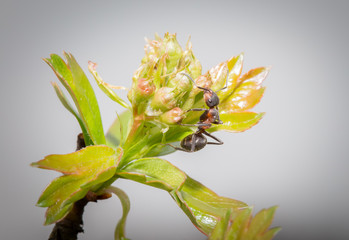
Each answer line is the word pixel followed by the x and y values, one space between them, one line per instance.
pixel 172 116
pixel 174 51
pixel 195 68
pixel 152 50
pixel 192 64
pixel 145 88
pixel 142 90
pixel 180 82
pixel 164 99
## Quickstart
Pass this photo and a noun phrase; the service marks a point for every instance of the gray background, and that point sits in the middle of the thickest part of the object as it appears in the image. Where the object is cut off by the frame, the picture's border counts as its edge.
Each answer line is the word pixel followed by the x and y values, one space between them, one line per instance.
pixel 297 157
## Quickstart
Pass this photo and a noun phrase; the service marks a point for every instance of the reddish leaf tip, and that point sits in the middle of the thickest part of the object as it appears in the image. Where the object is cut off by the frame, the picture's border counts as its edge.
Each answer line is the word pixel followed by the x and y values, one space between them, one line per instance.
pixel 92 66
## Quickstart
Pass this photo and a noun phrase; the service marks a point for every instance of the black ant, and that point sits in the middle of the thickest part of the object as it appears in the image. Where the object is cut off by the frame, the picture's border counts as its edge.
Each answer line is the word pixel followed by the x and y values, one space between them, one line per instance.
pixel 196 141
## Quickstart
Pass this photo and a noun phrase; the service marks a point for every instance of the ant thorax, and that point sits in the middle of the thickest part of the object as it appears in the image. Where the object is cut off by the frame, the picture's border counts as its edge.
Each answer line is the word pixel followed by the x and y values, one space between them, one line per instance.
pixel 210 116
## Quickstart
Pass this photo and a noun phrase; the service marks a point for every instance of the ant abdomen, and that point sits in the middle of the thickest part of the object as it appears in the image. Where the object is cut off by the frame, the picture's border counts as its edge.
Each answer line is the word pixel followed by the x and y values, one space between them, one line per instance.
pixel 194 142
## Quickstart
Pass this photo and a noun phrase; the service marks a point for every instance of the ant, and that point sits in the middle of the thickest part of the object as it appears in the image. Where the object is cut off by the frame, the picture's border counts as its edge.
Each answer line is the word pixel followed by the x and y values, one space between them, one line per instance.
pixel 196 141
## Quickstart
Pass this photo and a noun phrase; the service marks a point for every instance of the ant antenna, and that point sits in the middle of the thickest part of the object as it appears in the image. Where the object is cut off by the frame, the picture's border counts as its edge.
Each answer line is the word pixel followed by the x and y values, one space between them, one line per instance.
pixel 226 82
pixel 194 81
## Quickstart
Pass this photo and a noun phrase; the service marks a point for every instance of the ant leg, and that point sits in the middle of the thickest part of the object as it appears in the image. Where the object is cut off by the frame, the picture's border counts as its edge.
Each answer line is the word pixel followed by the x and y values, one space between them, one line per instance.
pixel 178 148
pixel 193 140
pixel 197 125
pixel 196 109
pixel 221 89
pixel 219 142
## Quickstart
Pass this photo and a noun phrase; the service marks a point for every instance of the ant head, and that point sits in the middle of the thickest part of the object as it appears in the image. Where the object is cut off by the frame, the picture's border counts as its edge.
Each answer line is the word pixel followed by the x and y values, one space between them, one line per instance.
pixel 211 98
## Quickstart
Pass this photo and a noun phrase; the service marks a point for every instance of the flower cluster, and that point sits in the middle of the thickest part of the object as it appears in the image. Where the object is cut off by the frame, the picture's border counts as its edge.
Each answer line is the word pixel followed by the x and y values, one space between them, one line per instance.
pixel 160 91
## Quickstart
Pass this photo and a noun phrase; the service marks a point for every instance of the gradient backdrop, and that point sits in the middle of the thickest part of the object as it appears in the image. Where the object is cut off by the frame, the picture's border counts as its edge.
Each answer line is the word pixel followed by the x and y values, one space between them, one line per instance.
pixel 297 157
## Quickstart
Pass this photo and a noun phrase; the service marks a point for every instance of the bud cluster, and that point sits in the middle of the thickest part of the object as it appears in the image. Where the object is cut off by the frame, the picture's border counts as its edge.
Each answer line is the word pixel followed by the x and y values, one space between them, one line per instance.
pixel 158 88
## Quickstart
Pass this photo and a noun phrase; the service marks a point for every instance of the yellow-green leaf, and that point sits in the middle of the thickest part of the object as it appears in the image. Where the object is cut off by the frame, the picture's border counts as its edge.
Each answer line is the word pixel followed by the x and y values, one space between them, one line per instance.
pixel 218 76
pixel 75 81
pixel 260 224
pixel 118 131
pixel 67 105
pixel 85 161
pixel 235 68
pixel 83 170
pixel 244 99
pixel 240 225
pixel 60 196
pixel 256 75
pixel 237 121
pixel 154 172
pixel 248 91
pixel 271 233
pixel 220 230
pixel 203 207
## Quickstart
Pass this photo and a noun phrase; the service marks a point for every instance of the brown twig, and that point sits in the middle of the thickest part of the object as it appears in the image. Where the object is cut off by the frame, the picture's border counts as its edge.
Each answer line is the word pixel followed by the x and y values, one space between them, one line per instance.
pixel 69 227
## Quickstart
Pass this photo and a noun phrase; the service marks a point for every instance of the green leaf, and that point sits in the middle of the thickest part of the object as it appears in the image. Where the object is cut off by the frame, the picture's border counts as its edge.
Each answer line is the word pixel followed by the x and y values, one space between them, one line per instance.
pixel 82 171
pixel 248 92
pixel 271 233
pixel 235 68
pixel 60 196
pixel 237 121
pixel 260 224
pixel 240 225
pixel 106 88
pixel 155 172
pixel 220 230
pixel 256 75
pixel 218 75
pixel 67 105
pixel 202 205
pixel 125 202
pixel 118 131
pixel 75 81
